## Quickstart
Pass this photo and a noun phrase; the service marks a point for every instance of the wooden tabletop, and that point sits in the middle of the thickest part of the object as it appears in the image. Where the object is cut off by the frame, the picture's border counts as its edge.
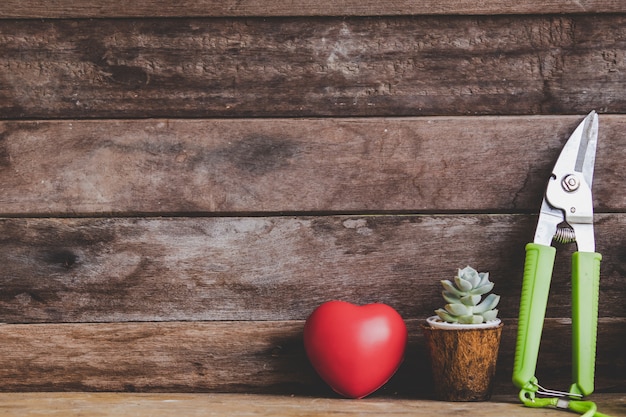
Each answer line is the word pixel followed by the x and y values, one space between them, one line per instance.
pixel 206 405
pixel 164 8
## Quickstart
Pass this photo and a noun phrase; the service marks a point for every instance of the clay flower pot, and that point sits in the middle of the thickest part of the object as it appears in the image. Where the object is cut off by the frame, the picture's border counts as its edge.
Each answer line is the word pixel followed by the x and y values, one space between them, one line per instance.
pixel 463 358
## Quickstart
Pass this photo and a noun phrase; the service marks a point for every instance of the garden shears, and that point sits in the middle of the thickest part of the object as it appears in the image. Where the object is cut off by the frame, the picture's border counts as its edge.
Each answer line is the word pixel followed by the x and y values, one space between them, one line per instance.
pixel 566 216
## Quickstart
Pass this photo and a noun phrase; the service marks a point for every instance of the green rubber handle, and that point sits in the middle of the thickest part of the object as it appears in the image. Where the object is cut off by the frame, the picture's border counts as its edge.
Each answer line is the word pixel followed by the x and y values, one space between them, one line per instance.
pixel 534 299
pixel 585 293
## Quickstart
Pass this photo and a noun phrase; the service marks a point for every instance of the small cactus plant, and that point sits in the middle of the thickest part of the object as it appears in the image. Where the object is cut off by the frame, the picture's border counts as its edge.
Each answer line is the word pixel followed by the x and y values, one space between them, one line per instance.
pixel 464 297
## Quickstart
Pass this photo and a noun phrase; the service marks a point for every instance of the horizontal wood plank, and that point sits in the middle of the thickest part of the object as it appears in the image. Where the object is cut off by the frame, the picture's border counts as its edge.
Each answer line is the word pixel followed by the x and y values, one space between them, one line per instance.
pixel 272 268
pixel 34 9
pixel 295 67
pixel 261 357
pixel 244 405
pixel 441 164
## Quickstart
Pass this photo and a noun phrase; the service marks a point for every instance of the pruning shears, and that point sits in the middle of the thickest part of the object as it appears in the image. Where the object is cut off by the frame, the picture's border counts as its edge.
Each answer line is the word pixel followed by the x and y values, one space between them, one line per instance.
pixel 566 216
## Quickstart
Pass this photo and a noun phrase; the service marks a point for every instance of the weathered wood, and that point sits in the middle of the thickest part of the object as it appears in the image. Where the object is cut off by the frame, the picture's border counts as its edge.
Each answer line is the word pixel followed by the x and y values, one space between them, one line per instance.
pixel 305 165
pixel 195 303
pixel 219 356
pixel 272 67
pixel 203 8
pixel 241 405
pixel 262 357
pixel 272 268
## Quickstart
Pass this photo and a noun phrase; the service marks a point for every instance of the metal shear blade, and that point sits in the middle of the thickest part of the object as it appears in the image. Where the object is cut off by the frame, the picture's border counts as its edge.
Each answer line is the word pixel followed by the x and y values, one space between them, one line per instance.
pixel 568 195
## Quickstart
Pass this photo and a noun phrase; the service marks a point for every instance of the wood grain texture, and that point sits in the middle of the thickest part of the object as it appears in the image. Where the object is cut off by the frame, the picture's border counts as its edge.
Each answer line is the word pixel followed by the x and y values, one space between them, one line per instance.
pixel 202 8
pixel 243 405
pixel 275 67
pixel 182 184
pixel 272 268
pixel 247 357
pixel 441 164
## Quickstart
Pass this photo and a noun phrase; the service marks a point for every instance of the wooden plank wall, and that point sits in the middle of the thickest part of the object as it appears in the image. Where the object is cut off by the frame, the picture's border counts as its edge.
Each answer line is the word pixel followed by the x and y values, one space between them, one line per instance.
pixel 182 183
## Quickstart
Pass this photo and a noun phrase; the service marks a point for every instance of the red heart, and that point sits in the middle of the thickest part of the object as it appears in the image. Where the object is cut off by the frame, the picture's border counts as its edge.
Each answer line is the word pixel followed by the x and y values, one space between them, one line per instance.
pixel 355 349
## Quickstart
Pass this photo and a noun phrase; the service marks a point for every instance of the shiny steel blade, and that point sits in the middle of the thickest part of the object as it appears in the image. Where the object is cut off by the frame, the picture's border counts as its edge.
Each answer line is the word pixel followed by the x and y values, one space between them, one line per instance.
pixel 579 152
pixel 586 158
pixel 568 194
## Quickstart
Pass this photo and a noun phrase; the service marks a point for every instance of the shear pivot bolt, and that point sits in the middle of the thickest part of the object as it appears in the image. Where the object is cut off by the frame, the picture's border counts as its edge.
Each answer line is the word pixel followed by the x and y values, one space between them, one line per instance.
pixel 570 183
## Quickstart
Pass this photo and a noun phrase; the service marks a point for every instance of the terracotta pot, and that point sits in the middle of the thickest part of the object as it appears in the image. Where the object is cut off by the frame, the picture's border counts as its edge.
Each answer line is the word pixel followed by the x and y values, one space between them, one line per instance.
pixel 463 361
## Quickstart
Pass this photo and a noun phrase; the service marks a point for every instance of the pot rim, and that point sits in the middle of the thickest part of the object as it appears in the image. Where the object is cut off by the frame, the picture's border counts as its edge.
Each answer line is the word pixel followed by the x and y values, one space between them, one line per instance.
pixel 437 323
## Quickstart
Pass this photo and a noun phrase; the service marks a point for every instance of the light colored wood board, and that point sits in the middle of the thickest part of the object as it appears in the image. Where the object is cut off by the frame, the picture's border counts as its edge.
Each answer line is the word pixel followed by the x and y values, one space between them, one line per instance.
pixel 275 67
pixel 240 405
pixel 272 268
pixel 261 357
pixel 430 164
pixel 33 9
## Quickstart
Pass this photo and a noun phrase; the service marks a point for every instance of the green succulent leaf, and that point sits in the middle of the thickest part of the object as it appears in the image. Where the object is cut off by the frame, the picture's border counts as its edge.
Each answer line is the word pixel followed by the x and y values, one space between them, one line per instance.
pixel 450 297
pixel 471 275
pixel 449 286
pixel 490 315
pixel 465 319
pixel 487 304
pixel 462 284
pixel 445 316
pixel 470 300
pixel 484 279
pixel 458 309
pixel 483 289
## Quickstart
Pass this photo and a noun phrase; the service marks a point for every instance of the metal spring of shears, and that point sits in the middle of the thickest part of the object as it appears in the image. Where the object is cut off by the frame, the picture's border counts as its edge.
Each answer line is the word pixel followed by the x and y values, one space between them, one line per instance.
pixel 564 235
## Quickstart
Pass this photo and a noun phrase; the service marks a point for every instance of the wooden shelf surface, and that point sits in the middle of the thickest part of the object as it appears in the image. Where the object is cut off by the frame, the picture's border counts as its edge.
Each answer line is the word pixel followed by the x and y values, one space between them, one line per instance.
pixel 206 405
pixel 219 8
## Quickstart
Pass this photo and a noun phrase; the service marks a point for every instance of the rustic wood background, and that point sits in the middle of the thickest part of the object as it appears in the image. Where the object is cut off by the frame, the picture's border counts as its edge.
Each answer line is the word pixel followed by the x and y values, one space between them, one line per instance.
pixel 182 183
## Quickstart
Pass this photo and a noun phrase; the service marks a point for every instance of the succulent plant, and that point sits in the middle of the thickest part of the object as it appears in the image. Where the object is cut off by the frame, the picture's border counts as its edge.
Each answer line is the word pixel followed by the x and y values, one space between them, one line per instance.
pixel 465 300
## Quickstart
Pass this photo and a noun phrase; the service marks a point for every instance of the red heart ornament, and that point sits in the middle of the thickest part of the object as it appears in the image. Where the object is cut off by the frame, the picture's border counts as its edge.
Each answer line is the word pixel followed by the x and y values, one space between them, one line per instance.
pixel 355 349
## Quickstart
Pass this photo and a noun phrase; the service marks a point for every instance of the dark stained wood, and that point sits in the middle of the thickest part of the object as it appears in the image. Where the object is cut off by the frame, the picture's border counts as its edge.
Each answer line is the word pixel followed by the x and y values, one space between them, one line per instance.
pixel 183 8
pixel 486 164
pixel 263 357
pixel 272 268
pixel 273 67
